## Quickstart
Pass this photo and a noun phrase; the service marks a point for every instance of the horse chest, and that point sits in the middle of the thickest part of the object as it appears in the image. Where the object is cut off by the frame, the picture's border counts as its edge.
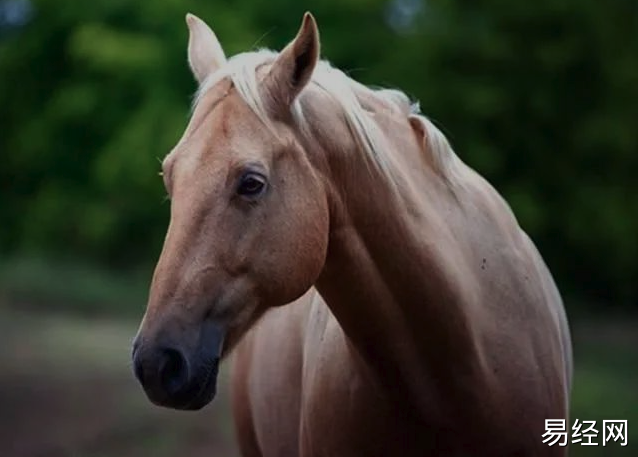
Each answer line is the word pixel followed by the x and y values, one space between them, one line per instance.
pixel 342 411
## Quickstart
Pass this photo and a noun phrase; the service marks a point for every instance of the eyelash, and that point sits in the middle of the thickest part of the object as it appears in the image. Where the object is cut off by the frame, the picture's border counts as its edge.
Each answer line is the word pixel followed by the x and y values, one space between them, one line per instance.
pixel 252 185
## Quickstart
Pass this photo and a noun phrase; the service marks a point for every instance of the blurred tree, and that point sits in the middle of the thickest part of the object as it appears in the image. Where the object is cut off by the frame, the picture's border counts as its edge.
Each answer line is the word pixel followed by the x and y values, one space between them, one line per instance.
pixel 540 97
pixel 93 95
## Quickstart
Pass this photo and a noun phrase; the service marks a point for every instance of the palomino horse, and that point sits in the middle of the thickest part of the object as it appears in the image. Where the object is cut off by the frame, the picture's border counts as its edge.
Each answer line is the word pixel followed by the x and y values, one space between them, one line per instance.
pixel 424 322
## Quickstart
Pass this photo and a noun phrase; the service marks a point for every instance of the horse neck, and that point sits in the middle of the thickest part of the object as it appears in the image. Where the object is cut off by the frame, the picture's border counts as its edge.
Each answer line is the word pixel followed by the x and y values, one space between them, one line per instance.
pixel 392 272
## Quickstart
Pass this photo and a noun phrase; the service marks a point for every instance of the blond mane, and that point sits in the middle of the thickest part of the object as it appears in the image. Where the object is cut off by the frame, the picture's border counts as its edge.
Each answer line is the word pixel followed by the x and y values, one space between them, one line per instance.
pixel 242 69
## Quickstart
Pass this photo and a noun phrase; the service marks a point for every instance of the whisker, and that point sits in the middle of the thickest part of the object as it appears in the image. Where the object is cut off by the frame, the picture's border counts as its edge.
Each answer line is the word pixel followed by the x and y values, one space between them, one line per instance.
pixel 262 37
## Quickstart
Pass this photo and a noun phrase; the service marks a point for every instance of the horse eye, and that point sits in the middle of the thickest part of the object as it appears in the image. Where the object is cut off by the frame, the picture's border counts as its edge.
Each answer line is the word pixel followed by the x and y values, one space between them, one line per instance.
pixel 251 185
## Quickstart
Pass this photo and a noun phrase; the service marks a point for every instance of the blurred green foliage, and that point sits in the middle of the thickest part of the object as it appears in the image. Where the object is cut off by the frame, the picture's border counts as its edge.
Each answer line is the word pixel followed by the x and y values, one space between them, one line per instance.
pixel 540 97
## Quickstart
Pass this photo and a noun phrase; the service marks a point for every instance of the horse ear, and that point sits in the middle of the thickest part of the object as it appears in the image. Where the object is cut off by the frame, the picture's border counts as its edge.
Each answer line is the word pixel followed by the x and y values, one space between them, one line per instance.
pixel 293 68
pixel 205 53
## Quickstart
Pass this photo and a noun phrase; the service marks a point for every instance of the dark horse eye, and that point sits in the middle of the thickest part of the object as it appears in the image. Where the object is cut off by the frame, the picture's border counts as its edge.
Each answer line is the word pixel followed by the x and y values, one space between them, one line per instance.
pixel 251 185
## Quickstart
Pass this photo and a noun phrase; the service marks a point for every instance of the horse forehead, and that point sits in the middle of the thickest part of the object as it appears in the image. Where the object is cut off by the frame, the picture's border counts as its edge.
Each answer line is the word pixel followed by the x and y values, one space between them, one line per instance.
pixel 216 122
pixel 214 107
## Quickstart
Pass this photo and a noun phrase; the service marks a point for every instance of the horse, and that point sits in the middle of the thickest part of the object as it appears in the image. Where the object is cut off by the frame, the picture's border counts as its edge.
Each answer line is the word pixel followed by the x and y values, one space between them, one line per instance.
pixel 378 295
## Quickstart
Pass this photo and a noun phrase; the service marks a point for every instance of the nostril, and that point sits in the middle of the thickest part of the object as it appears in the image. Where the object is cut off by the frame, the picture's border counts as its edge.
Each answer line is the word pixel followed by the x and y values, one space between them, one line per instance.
pixel 173 371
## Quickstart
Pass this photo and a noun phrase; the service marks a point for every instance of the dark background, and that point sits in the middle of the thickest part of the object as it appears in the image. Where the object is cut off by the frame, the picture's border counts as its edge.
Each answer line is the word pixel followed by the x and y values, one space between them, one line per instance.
pixel 539 97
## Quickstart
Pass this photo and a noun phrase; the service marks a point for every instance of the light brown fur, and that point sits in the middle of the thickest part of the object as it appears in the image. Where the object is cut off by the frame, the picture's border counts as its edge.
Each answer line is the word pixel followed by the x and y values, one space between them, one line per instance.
pixel 433 328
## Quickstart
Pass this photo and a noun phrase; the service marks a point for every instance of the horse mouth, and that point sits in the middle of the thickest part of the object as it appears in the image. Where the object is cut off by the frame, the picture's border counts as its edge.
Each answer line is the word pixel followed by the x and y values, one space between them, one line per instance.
pixel 200 393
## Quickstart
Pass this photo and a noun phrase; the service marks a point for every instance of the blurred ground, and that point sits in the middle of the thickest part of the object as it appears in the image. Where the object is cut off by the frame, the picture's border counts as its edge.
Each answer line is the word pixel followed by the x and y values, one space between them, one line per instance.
pixel 66 390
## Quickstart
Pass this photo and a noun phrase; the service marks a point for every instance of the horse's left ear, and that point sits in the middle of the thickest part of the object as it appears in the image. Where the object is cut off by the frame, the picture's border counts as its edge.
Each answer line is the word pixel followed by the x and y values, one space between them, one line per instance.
pixel 293 68
pixel 205 53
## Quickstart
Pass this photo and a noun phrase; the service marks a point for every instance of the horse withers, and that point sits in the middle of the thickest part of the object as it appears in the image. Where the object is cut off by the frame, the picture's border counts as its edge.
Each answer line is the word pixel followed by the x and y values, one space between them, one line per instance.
pixel 379 295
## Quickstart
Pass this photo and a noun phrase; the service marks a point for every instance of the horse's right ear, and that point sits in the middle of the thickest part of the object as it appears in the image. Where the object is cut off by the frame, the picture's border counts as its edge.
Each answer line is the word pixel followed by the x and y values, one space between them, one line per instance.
pixel 293 68
pixel 205 53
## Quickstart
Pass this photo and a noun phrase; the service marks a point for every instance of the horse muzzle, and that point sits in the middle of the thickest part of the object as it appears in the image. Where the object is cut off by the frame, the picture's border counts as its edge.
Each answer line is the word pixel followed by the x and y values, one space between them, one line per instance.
pixel 175 377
